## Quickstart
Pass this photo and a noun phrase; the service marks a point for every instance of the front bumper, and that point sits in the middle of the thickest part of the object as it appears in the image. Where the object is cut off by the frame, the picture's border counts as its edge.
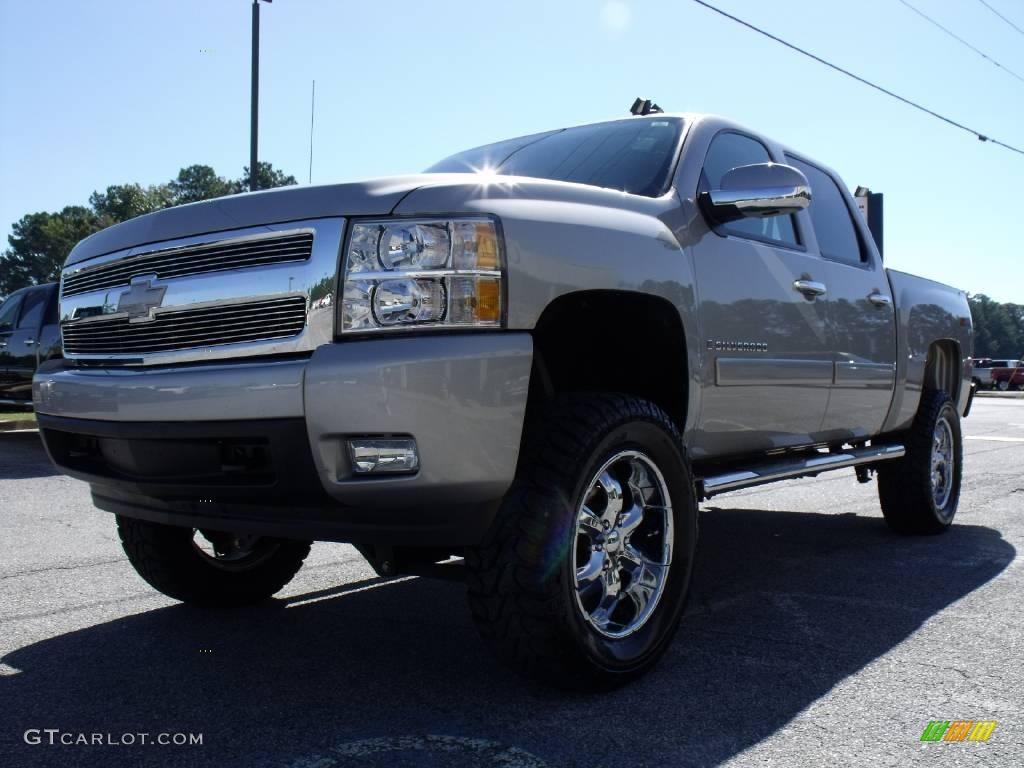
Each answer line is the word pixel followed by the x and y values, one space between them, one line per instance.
pixel 260 446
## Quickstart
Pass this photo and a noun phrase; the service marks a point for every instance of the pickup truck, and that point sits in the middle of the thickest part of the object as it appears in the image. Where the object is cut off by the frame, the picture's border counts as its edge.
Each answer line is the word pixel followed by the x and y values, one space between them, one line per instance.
pixel 987 373
pixel 29 335
pixel 540 355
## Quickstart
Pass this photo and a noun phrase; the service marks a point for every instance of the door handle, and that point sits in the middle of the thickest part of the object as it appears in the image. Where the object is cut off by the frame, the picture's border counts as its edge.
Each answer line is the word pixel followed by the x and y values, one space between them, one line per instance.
pixel 880 300
pixel 29 342
pixel 810 288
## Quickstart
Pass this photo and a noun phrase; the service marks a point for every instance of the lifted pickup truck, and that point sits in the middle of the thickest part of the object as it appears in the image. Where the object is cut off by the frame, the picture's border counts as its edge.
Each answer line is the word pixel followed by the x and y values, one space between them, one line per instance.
pixel 538 357
pixel 29 335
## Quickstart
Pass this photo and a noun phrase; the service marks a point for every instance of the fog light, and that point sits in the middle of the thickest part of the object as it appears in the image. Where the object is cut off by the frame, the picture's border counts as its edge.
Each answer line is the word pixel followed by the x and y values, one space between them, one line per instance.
pixel 381 455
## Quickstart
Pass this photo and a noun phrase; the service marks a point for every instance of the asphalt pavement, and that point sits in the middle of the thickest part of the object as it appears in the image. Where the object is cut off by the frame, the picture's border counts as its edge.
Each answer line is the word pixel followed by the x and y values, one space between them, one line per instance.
pixel 813 637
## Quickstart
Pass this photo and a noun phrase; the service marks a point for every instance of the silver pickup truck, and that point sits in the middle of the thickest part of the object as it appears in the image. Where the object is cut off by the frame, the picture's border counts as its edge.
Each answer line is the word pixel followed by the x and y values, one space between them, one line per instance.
pixel 524 368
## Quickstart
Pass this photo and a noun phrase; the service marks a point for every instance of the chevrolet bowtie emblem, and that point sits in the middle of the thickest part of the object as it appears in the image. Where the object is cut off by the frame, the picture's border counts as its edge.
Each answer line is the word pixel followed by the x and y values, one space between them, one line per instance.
pixel 139 301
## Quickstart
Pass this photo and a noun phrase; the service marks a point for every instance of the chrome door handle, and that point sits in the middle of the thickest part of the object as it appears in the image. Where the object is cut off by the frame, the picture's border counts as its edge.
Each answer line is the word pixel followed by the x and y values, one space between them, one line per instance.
pixel 29 342
pixel 880 300
pixel 810 288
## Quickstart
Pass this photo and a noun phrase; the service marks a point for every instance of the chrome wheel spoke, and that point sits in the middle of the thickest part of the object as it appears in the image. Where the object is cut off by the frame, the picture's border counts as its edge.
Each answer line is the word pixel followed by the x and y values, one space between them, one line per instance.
pixel 602 614
pixel 631 519
pixel 639 482
pixel 613 494
pixel 593 568
pixel 632 559
pixel 588 523
pixel 642 590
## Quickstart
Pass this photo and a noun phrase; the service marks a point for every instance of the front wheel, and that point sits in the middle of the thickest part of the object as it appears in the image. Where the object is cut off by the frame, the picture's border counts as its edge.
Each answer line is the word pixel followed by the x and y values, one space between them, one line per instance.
pixel 582 579
pixel 210 568
pixel 920 492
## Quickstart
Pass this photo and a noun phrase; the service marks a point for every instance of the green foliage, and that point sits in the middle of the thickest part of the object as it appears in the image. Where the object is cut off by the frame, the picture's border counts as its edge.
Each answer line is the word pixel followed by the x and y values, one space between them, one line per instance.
pixel 266 178
pixel 998 328
pixel 126 201
pixel 40 242
pixel 200 182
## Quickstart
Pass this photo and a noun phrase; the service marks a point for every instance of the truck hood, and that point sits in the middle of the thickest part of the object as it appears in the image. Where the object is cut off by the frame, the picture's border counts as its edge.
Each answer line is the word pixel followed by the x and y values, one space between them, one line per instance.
pixel 376 197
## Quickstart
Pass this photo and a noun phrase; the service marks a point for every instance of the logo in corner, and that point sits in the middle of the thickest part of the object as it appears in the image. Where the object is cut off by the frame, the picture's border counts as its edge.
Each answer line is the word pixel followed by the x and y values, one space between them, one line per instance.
pixel 958 730
pixel 139 301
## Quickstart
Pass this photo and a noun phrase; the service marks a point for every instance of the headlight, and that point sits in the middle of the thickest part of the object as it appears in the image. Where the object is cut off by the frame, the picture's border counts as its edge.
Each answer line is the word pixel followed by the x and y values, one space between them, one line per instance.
pixel 432 273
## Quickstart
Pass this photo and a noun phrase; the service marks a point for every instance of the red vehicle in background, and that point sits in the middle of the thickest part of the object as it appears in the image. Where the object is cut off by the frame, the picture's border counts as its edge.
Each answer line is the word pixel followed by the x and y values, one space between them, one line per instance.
pixel 1009 377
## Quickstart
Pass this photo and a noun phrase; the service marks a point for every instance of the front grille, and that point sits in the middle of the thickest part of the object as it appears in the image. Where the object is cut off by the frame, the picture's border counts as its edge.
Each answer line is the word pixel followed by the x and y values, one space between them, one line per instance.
pixel 189 328
pixel 193 260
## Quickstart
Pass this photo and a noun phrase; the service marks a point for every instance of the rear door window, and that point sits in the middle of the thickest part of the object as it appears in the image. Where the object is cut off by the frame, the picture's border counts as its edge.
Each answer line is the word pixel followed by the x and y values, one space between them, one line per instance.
pixel 830 216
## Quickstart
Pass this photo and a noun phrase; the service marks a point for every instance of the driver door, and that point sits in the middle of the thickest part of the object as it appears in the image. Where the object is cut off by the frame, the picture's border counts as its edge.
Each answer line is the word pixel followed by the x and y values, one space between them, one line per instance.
pixel 767 360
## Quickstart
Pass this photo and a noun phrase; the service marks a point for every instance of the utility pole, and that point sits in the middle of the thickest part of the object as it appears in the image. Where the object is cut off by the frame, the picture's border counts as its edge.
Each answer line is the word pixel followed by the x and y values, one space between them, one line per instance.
pixel 254 117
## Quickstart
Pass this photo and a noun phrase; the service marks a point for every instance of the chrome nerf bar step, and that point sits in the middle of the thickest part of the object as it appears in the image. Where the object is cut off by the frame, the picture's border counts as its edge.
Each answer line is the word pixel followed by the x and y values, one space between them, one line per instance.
pixel 789 467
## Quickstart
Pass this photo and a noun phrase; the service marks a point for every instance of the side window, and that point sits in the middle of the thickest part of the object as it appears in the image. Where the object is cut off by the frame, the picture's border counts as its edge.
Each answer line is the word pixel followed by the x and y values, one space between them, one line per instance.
pixel 9 312
pixel 731 150
pixel 32 312
pixel 837 235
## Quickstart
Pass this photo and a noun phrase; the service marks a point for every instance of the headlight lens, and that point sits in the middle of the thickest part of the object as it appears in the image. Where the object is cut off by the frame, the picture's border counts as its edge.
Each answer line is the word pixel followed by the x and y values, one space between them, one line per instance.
pixel 424 273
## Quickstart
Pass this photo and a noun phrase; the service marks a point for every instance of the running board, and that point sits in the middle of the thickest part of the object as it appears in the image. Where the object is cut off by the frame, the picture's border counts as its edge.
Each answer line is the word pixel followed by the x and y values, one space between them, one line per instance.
pixel 788 468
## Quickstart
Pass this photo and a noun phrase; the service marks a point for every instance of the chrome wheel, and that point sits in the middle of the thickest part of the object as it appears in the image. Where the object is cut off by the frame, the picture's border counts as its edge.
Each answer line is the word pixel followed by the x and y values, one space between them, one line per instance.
pixel 942 463
pixel 233 551
pixel 623 546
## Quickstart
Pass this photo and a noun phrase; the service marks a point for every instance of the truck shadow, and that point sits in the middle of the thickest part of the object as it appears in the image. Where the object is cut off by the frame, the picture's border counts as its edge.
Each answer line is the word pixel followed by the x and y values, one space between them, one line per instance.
pixel 22 456
pixel 784 606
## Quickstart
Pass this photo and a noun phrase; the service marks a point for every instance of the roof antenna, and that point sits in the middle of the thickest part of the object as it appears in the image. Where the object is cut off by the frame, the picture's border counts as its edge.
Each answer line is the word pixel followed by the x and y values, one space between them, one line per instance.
pixel 644 107
pixel 312 113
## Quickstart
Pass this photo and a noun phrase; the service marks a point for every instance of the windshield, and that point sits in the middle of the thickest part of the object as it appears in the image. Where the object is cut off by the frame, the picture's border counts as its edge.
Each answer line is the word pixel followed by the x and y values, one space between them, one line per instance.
pixel 632 155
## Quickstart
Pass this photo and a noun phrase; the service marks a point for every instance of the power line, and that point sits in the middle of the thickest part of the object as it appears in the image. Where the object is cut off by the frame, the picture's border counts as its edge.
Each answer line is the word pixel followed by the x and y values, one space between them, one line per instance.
pixel 957 37
pixel 997 13
pixel 980 136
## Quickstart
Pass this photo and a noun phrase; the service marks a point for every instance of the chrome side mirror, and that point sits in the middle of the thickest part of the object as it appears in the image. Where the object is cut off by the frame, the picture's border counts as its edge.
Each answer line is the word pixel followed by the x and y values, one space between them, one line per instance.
pixel 757 191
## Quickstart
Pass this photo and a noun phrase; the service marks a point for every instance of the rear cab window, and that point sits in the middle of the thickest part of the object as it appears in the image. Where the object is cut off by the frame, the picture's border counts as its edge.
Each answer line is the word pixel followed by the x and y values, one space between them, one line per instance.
pixel 838 239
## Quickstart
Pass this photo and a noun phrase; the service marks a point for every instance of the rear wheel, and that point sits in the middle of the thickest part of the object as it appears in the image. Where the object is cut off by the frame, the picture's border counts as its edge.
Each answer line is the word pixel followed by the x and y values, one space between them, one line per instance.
pixel 920 492
pixel 582 579
pixel 210 568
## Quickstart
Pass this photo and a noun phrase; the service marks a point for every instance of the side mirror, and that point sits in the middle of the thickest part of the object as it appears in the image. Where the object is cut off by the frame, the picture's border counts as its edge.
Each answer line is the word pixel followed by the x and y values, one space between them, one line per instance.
pixel 757 191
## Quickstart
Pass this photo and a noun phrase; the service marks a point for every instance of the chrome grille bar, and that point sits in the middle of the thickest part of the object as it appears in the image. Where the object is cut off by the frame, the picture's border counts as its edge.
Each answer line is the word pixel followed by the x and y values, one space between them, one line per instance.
pixel 252 251
pixel 189 328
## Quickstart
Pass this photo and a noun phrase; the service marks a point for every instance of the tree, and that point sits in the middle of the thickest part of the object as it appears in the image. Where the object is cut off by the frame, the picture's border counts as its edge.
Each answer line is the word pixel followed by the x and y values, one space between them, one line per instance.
pixel 267 177
pixel 126 201
pixel 197 183
pixel 998 328
pixel 39 244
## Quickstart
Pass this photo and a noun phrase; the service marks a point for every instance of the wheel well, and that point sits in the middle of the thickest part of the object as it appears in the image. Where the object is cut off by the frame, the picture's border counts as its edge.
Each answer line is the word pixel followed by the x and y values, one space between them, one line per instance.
pixel 611 341
pixel 942 370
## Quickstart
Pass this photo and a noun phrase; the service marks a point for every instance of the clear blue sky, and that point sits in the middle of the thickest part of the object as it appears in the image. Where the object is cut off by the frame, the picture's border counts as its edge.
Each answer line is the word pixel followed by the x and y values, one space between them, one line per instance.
pixel 104 92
